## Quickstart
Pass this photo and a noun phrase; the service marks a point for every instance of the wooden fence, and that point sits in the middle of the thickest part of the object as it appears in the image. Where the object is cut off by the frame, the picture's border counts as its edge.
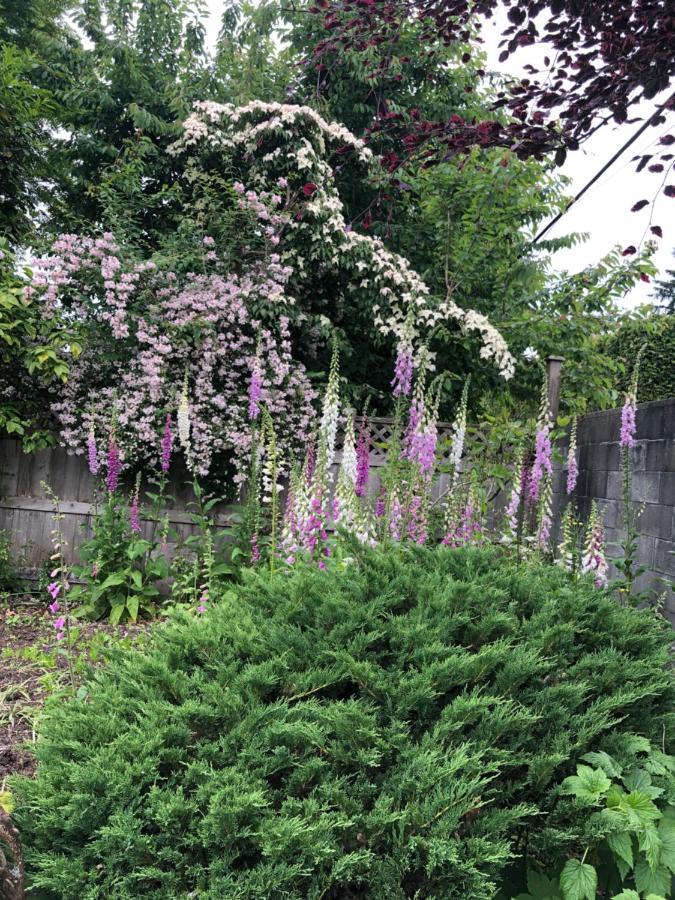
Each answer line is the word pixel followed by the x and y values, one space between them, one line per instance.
pixel 26 509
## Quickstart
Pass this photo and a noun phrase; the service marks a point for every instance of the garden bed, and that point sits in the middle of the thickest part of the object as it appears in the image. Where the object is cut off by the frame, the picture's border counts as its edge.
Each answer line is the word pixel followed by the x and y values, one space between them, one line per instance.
pixel 32 669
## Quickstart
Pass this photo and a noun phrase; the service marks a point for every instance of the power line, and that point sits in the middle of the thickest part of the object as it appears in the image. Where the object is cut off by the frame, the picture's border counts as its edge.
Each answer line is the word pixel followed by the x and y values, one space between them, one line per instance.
pixel 631 140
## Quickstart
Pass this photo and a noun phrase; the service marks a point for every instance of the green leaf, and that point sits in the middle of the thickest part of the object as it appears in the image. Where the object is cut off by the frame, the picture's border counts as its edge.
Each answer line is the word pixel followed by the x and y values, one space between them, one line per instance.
pixel 650 844
pixel 626 895
pixel 116 613
pixel 587 785
pixel 579 881
pixel 640 810
pixel 137 578
pixel 648 882
pixel 132 606
pixel 621 845
pixel 604 761
pixel 540 886
pixel 667 835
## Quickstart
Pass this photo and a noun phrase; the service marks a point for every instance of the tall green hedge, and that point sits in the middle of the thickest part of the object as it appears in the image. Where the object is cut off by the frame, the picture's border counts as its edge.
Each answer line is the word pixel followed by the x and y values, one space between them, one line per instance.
pixel 398 728
pixel 657 370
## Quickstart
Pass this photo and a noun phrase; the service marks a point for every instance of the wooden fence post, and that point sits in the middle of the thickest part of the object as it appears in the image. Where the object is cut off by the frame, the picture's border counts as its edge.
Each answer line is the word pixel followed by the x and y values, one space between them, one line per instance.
pixel 553 367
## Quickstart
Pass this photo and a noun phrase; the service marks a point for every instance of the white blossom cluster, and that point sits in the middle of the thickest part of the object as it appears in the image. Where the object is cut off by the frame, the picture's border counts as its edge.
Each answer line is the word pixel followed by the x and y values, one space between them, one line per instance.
pixel 287 145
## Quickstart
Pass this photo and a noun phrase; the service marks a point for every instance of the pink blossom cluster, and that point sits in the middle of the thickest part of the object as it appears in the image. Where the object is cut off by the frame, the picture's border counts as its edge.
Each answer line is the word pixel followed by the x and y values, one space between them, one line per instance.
pixel 206 326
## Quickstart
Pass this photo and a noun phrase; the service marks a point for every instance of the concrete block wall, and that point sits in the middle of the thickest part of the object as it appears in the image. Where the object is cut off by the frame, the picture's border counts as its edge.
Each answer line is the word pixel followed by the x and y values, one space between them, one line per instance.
pixel 653 488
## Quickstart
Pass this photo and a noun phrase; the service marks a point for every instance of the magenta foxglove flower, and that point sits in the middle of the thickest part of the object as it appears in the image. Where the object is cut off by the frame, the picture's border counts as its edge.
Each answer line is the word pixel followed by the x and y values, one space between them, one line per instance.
pixel 114 465
pixel 54 607
pixel 380 505
pixel 167 444
pixel 403 372
pixel 92 452
pixel 54 589
pixel 59 624
pixel 627 436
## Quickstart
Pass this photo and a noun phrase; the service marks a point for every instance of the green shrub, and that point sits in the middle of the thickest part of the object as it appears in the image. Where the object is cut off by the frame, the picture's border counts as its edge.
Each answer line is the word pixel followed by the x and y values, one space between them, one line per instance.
pixel 398 727
pixel 657 373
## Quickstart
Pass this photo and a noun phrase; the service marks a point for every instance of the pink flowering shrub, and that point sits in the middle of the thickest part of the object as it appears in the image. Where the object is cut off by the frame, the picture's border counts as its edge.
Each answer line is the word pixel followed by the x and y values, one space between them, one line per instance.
pixel 150 331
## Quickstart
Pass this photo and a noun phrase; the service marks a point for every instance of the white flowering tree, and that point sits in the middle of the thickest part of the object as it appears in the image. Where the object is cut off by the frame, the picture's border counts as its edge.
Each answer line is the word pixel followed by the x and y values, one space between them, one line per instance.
pixel 262 272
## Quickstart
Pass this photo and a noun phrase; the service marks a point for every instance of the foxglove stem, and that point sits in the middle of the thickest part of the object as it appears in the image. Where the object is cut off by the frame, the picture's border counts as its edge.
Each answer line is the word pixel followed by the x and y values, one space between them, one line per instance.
pixel 92 452
pixel 572 464
pixel 167 444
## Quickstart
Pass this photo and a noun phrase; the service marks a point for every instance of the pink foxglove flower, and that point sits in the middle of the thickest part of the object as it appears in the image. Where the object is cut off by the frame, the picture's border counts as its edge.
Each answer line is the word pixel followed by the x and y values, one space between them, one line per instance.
pixel 627 435
pixel 167 444
pixel 114 465
pixel 54 589
pixel 92 452
pixel 54 607
pixel 59 624
pixel 255 550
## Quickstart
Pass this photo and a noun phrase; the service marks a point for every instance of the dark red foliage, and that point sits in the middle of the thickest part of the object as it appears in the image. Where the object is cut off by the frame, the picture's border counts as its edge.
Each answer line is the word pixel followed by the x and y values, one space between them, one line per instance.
pixel 605 56
pixel 309 188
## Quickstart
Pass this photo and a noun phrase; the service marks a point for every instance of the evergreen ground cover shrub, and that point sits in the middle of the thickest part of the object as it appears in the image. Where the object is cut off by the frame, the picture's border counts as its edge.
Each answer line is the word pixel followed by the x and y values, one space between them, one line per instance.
pixel 395 726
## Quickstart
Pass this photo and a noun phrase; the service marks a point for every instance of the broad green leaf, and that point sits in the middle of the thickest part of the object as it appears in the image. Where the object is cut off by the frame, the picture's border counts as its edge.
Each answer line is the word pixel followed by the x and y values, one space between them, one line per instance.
pixel 540 886
pixel 116 613
pixel 588 784
pixel 621 845
pixel 650 844
pixel 640 810
pixel 111 581
pixel 137 578
pixel 579 881
pixel 132 606
pixel 667 835
pixel 626 895
pixel 604 761
pixel 649 882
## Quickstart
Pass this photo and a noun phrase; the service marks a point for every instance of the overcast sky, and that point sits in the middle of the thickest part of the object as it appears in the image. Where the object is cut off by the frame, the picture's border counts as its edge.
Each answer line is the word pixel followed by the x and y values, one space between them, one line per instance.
pixel 604 211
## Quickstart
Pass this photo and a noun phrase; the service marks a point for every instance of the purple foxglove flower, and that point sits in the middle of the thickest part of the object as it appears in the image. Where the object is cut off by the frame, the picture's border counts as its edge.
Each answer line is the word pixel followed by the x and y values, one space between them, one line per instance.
pixel 627 436
pixel 255 550
pixel 92 452
pixel 60 623
pixel 54 589
pixel 380 505
pixel 403 372
pixel 572 474
pixel 542 461
pixel 54 607
pixel 114 466
pixel 167 444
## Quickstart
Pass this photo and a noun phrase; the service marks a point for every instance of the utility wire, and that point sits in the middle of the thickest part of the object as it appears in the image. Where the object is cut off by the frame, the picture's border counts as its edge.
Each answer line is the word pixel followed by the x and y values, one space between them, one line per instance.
pixel 631 140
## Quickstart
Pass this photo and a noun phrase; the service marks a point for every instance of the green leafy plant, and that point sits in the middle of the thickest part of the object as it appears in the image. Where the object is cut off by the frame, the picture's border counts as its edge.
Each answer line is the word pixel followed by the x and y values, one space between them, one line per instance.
pixel 119 570
pixel 396 725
